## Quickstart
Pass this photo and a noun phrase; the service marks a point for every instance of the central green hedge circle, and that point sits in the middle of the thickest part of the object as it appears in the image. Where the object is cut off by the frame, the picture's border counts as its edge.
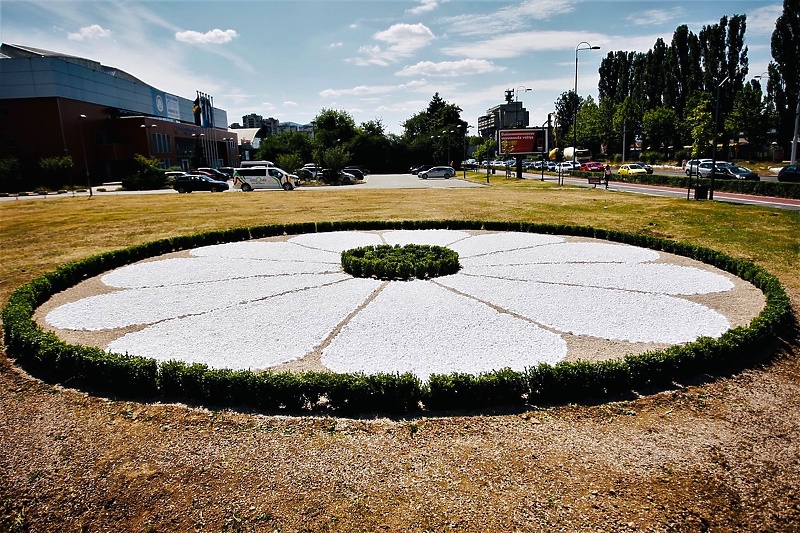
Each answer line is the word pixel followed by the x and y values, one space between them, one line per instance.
pixel 397 262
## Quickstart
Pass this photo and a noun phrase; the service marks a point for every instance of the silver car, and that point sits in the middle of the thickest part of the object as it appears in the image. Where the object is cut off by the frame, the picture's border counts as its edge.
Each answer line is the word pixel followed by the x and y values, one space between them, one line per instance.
pixel 438 172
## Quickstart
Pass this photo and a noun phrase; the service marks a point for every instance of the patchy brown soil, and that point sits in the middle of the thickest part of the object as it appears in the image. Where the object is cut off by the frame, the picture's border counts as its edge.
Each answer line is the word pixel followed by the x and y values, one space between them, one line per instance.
pixel 719 456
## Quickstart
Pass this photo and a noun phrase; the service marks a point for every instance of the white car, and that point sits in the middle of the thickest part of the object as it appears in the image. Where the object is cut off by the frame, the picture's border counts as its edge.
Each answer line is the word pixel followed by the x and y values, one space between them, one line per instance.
pixel 567 166
pixel 438 172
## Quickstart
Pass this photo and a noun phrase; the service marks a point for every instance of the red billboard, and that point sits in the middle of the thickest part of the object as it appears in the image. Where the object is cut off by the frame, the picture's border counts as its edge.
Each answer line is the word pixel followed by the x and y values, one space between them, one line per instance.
pixel 521 141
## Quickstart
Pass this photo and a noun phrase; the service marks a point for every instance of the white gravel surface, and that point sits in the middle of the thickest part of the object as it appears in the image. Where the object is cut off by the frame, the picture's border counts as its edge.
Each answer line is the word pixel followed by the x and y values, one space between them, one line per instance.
pixel 258 304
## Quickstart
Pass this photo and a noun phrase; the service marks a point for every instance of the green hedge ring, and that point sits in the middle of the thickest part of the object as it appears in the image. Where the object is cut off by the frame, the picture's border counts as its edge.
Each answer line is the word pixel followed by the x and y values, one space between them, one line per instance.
pixel 421 261
pixel 45 355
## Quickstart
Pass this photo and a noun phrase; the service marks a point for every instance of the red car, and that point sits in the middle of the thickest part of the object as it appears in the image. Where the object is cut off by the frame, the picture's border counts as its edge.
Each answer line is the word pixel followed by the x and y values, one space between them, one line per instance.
pixel 592 166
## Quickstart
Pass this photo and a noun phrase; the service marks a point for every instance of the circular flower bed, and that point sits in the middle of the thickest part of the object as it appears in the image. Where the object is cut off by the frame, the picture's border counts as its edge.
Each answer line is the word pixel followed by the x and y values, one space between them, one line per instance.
pixel 400 262
pixel 201 325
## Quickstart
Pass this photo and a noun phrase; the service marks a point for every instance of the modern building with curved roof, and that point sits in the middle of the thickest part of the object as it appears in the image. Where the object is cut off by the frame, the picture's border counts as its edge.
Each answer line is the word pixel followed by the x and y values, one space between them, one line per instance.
pixel 55 105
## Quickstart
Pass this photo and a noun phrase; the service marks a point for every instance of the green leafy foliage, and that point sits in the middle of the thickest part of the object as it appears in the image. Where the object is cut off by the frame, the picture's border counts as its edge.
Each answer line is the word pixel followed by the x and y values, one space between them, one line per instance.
pixel 419 261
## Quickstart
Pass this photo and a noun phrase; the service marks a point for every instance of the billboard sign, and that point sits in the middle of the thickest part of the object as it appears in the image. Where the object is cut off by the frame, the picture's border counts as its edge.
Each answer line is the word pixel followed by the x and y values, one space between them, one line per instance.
pixel 165 104
pixel 521 141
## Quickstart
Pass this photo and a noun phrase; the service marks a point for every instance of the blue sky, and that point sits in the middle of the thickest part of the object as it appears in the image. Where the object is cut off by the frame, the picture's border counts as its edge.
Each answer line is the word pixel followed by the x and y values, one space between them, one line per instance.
pixel 375 59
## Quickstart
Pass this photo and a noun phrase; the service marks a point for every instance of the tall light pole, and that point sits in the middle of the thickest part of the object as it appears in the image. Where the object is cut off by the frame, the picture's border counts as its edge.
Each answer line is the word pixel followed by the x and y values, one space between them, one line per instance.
pixel 575 121
pixel 516 108
pixel 714 140
pixel 148 133
pixel 81 118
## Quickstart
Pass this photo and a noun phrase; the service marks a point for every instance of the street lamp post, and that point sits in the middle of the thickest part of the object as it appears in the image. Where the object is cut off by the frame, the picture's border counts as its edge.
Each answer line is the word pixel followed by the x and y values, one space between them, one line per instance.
pixel 148 133
pixel 575 121
pixel 81 118
pixel 714 141
pixel 516 108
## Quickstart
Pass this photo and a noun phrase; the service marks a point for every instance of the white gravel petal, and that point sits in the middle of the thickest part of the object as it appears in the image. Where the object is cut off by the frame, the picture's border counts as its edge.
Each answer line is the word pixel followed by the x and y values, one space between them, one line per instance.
pixel 434 237
pixel 147 306
pixel 568 252
pixel 337 241
pixel 255 335
pixel 188 270
pixel 660 278
pixel 419 327
pixel 501 242
pixel 602 313
pixel 276 251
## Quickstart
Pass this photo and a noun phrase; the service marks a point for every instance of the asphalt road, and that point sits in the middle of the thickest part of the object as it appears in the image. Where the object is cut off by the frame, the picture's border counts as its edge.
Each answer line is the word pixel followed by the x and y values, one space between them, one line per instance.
pixel 409 181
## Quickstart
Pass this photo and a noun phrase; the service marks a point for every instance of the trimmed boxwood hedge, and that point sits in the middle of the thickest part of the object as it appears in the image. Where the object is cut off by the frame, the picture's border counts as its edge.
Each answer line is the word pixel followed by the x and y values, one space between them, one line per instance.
pixel 44 354
pixel 421 261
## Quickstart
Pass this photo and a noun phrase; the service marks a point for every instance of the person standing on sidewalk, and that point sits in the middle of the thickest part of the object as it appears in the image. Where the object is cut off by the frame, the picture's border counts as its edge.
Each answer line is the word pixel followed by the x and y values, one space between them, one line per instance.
pixel 607 174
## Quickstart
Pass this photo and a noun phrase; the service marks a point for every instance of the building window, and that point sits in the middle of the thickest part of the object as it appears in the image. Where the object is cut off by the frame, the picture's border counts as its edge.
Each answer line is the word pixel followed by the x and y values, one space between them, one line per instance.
pixel 161 143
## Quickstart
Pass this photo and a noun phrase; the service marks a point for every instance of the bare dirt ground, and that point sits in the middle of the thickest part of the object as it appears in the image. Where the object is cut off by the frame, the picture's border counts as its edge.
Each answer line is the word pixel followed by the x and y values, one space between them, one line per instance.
pixel 719 455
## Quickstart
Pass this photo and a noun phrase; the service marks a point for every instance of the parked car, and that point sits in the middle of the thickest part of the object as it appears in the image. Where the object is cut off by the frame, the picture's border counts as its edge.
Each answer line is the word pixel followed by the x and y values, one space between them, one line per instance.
pixel 645 166
pixel 789 173
pixel 704 169
pixel 592 166
pixel 568 166
pixel 312 169
pixel 691 166
pixel 438 172
pixel 198 182
pixel 740 173
pixel 356 172
pixel 214 173
pixel 419 168
pixel 631 169
pixel 552 166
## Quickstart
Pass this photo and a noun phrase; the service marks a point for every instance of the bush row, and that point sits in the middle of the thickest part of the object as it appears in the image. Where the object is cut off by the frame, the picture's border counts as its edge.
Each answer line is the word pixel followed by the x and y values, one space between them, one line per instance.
pixel 385 261
pixel 758 188
pixel 46 355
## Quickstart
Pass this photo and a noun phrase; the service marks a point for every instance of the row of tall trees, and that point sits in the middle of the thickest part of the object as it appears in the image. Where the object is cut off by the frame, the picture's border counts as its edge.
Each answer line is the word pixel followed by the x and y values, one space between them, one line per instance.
pixel 669 96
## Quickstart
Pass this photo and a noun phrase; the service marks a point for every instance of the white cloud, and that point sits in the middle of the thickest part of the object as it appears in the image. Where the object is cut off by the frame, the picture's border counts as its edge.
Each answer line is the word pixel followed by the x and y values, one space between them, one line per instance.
pixel 364 90
pixel 423 7
pixel 656 16
pixel 450 68
pixel 398 42
pixel 336 45
pixel 215 36
pixel 509 19
pixel 88 33
pixel 762 20
pixel 290 103
pixel 515 44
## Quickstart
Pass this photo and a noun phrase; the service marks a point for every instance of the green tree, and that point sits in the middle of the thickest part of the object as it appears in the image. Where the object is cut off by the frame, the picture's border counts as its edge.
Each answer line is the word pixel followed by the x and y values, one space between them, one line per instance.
pixel 297 143
pixel 724 58
pixel 371 147
pixel 660 127
pixel 784 83
pixel 700 120
pixel 591 126
pixel 289 162
pixel 332 128
pixel 566 106
pixel 429 133
pixel 749 116
pixel 56 170
pixel 9 174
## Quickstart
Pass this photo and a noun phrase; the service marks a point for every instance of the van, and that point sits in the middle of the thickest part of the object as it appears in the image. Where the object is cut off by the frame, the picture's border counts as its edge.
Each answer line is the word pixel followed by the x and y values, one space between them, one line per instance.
pixel 246 164
pixel 251 178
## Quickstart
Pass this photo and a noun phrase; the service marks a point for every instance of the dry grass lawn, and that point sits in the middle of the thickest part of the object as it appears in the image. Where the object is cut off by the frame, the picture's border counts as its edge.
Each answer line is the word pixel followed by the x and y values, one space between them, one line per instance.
pixel 720 454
